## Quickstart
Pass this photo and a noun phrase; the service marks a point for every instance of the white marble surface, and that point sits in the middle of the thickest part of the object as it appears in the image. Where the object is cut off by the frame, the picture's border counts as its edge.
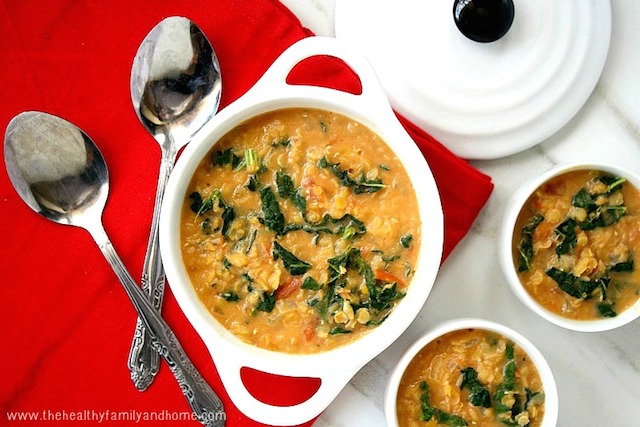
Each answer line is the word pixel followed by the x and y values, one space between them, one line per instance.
pixel 598 374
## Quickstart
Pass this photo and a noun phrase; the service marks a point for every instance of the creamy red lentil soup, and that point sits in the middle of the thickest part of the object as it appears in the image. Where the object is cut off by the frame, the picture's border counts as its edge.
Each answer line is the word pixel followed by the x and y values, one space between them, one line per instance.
pixel 470 377
pixel 300 230
pixel 575 244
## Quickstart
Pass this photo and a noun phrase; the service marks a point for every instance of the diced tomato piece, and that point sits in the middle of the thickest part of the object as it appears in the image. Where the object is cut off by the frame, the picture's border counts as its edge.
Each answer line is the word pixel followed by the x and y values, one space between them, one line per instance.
pixel 307 181
pixel 288 287
pixel 309 331
pixel 268 247
pixel 387 277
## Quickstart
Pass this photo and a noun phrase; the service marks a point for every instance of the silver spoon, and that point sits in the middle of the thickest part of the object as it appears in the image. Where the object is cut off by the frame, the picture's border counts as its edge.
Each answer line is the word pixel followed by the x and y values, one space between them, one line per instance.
pixel 175 89
pixel 60 173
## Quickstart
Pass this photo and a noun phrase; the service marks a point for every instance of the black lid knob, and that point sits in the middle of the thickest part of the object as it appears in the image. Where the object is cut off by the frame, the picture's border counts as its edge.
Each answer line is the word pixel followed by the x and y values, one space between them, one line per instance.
pixel 483 20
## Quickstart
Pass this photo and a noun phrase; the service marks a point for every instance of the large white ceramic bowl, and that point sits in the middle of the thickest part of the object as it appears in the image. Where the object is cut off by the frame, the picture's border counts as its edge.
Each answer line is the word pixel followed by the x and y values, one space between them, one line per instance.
pixel 548 381
pixel 336 367
pixel 513 208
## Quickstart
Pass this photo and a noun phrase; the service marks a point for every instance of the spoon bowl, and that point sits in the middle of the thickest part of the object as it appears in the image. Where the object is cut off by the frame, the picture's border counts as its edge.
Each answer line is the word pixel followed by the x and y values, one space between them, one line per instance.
pixel 65 180
pixel 60 173
pixel 175 81
pixel 175 90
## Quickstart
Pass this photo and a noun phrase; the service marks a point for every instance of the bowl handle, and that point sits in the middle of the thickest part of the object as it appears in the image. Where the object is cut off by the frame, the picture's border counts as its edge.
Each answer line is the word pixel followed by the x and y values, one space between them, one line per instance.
pixel 229 365
pixel 274 80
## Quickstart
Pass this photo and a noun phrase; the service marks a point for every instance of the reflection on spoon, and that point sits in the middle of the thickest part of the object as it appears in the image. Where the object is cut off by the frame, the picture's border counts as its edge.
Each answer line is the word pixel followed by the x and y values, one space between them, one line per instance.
pixel 71 188
pixel 175 90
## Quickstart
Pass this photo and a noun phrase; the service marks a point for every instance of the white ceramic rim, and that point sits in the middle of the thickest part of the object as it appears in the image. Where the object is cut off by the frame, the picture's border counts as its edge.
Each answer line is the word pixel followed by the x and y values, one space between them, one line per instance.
pixel 512 211
pixel 546 375
pixel 483 100
pixel 336 367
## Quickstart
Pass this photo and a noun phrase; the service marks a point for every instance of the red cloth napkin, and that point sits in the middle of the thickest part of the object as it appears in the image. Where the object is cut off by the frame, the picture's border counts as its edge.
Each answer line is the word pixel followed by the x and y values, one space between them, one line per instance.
pixel 66 324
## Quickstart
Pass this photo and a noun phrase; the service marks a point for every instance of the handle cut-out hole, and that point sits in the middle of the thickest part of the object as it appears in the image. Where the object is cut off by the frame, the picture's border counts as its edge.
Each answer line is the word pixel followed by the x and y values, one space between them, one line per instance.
pixel 325 71
pixel 278 390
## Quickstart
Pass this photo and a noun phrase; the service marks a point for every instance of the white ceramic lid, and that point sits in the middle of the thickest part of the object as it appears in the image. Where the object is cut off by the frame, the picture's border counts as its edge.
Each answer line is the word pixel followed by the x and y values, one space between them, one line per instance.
pixel 482 100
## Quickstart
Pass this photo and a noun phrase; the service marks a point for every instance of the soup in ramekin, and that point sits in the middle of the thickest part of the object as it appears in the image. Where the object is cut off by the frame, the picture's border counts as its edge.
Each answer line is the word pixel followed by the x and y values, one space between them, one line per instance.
pixel 575 243
pixel 470 377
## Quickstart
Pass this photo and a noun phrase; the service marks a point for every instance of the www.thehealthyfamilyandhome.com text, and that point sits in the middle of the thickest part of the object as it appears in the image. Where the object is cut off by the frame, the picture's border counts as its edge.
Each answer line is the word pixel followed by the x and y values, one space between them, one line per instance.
pixel 103 416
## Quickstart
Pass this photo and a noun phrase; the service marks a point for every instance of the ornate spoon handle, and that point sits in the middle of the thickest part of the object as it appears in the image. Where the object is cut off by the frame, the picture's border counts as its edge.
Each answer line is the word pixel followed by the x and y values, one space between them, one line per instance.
pixel 143 360
pixel 205 404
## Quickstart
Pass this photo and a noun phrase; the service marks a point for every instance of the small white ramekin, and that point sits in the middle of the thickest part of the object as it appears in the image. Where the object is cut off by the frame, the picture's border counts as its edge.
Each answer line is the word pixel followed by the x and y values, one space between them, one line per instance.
pixel 513 208
pixel 548 382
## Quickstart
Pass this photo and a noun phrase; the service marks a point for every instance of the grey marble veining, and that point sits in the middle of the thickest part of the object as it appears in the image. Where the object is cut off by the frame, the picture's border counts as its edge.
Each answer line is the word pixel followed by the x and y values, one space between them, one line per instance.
pixel 598 374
